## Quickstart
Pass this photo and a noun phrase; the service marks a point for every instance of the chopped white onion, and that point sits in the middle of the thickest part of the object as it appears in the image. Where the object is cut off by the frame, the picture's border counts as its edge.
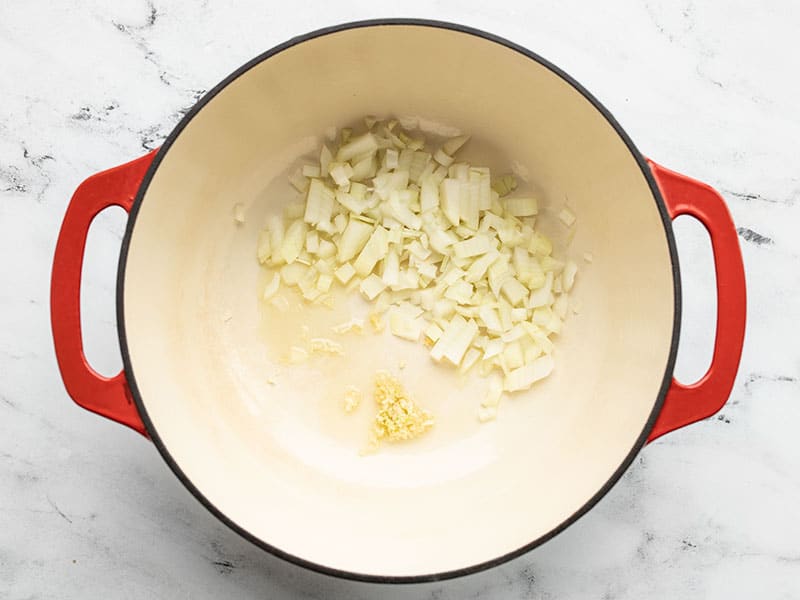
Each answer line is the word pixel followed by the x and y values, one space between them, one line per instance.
pixel 404 326
pixel 311 171
pixel 474 246
pixel 521 207
pixel 568 276
pixel 470 358
pixel 374 250
pixel 238 213
pixel 453 145
pixel 353 239
pixel 358 146
pixel 567 216
pixel 272 287
pixel 319 203
pixel 264 249
pixel 525 376
pixel 293 242
pixel 455 340
pixel 372 286
pixel 436 245
pixel 441 157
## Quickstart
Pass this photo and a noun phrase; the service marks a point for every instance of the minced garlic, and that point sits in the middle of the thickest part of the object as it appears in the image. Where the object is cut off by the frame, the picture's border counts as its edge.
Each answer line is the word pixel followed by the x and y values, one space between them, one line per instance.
pixel 325 346
pixel 399 417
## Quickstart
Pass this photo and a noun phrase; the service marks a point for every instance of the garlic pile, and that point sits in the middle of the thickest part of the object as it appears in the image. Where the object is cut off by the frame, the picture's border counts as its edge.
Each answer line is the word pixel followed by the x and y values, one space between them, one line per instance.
pixel 450 256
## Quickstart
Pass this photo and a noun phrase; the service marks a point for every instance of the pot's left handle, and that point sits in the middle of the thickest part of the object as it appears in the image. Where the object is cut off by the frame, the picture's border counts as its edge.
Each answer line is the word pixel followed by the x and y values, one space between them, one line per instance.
pixel 106 396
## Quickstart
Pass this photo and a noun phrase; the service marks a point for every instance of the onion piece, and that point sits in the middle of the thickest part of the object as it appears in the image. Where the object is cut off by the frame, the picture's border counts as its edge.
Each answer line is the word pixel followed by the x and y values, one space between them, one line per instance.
pixel 521 207
pixel 474 246
pixel 470 358
pixel 441 157
pixel 344 273
pixel 363 144
pixel 566 216
pixel 264 249
pixel 319 203
pixel 372 286
pixel 404 326
pixel 568 276
pixel 340 173
pixel 293 242
pixel 272 287
pixel 374 250
pixel 504 185
pixel 525 376
pixel 353 239
pixel 455 340
pixel 450 200
pixel 325 158
pixel 454 144
pixel 311 171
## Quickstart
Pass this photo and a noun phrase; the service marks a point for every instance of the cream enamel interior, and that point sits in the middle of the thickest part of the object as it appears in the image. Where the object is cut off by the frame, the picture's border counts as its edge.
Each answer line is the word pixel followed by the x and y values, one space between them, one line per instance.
pixel 281 460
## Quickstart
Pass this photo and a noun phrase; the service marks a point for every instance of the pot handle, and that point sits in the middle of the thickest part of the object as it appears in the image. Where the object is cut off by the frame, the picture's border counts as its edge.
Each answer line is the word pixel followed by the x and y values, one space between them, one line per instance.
pixel 107 396
pixel 686 404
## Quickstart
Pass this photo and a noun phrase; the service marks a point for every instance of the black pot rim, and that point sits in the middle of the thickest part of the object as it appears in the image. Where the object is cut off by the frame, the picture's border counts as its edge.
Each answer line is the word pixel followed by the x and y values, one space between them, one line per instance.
pixel 151 429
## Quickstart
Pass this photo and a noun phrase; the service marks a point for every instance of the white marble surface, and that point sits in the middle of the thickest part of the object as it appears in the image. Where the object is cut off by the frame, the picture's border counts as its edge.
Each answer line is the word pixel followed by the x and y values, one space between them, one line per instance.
pixel 88 509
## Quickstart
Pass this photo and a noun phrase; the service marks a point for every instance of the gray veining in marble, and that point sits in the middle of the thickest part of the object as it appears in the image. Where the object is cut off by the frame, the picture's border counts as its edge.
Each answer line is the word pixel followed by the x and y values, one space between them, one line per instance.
pixel 88 509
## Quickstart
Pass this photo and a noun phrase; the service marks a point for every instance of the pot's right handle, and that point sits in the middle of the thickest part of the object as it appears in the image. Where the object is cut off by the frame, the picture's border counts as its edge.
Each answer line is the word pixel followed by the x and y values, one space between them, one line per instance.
pixel 685 404
pixel 106 396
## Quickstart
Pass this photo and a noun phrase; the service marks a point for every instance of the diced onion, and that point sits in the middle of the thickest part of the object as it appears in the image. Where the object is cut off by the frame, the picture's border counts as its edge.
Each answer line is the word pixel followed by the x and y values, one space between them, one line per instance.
pixel 293 242
pixel 521 207
pixel 353 239
pixel 433 332
pixel 272 287
pixel 525 376
pixel 474 246
pixel 404 326
pixel 319 203
pixel 504 185
pixel 374 250
pixel 440 248
pixel 455 340
pixel 567 216
pixel 441 157
pixel 469 360
pixel 568 276
pixel 372 286
pixel 264 249
pixel 453 145
pixel 357 146
pixel 311 171
pixel 238 213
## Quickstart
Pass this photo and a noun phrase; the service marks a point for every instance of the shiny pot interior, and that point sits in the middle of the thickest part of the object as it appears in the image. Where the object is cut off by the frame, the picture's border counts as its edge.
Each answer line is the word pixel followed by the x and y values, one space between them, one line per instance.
pixel 280 462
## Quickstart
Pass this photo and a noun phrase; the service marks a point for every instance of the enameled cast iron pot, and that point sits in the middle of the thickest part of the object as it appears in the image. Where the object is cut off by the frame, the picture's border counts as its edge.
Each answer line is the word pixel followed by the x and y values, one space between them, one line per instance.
pixel 276 463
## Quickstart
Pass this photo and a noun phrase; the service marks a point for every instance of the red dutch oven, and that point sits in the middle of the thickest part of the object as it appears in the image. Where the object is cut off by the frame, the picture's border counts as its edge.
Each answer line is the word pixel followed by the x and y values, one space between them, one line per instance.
pixel 276 462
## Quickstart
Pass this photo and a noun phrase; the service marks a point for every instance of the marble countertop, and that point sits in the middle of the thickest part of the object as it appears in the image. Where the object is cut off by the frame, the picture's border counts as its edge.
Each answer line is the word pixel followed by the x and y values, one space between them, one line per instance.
pixel 88 509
